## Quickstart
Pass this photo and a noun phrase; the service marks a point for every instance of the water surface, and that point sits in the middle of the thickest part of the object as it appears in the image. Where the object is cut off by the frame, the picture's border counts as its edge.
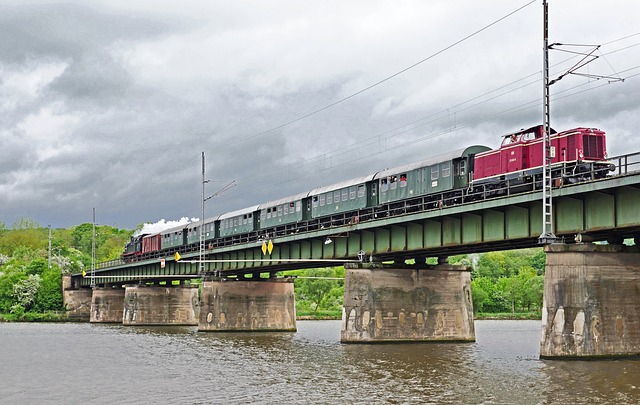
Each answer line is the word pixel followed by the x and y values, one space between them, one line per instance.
pixel 90 363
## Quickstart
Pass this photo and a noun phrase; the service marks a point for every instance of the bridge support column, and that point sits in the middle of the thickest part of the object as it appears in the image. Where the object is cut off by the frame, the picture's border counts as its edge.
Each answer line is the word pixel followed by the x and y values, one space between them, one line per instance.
pixel 408 304
pixel 161 305
pixel 591 301
pixel 107 305
pixel 76 300
pixel 239 305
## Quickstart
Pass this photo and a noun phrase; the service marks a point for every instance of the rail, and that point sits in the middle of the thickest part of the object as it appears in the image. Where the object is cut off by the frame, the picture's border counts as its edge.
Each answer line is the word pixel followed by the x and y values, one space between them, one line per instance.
pixel 624 165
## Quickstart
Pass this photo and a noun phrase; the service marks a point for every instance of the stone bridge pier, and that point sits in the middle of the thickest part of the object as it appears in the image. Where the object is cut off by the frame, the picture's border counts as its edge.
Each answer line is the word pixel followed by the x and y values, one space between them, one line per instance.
pixel 591 303
pixel 107 305
pixel 242 305
pixel 161 305
pixel 426 303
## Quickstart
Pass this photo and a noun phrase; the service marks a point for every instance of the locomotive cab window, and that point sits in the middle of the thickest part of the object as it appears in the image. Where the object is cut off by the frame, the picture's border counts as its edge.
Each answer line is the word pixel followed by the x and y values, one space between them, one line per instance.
pixel 315 201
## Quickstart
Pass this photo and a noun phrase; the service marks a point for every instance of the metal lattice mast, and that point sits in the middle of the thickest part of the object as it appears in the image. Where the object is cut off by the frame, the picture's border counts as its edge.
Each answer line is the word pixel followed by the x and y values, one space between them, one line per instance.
pixel 201 256
pixel 547 235
pixel 93 250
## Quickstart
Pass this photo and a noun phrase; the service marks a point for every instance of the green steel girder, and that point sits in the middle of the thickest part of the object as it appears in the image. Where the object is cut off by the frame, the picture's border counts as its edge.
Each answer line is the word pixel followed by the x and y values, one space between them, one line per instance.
pixel 600 208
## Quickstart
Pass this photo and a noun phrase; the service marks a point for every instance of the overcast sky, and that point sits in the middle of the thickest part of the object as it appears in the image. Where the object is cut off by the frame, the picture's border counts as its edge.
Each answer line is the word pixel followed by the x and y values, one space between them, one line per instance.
pixel 109 104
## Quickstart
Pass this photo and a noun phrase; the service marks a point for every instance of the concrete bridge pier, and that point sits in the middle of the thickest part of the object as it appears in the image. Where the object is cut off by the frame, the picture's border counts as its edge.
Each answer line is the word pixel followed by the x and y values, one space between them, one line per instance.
pixel 427 303
pixel 161 305
pixel 107 305
pixel 76 300
pixel 591 303
pixel 262 305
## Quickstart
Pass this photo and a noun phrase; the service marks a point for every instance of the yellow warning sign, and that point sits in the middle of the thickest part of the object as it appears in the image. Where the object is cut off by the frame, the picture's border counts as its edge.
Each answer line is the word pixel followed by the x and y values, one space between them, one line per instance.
pixel 264 248
pixel 270 246
pixel 177 256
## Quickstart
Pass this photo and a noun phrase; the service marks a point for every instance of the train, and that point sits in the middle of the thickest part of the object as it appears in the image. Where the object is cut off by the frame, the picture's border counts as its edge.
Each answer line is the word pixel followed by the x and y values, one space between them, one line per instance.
pixel 464 175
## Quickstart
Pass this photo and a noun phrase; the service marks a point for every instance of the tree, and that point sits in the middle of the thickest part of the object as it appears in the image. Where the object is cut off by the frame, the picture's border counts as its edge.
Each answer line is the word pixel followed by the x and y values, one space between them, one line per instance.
pixel 316 290
pixel 25 291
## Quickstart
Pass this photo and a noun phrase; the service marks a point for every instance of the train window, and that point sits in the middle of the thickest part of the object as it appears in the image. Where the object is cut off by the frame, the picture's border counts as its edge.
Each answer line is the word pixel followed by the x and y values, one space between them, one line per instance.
pixel 393 182
pixel 352 192
pixel 383 185
pixel 446 170
pixel 329 198
pixel 435 172
pixel 244 220
pixel 235 221
pixel 315 201
pixel 336 197
pixel 322 200
pixel 462 168
pixel 361 191
pixel 280 210
pixel 285 209
pixel 345 194
pixel 403 180
pixel 298 206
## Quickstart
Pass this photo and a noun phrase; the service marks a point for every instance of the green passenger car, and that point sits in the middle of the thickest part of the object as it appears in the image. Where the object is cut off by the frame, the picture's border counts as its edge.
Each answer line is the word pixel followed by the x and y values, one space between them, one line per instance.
pixel 173 237
pixel 284 211
pixel 342 197
pixel 237 222
pixel 437 174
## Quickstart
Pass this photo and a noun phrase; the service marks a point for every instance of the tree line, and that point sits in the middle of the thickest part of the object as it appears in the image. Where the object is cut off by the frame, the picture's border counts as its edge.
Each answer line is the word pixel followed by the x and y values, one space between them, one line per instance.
pixel 506 281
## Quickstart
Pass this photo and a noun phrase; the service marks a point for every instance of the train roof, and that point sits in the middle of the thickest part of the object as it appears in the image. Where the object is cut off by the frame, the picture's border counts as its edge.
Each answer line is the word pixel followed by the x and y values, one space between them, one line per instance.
pixel 444 157
pixel 284 200
pixel 337 186
pixel 173 229
pixel 243 211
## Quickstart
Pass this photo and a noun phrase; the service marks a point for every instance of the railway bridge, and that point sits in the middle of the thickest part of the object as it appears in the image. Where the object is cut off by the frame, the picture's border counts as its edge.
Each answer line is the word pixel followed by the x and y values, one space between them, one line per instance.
pixel 592 290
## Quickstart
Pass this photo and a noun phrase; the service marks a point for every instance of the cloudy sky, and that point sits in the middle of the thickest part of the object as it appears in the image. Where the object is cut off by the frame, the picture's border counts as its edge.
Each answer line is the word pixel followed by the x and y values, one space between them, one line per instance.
pixel 110 103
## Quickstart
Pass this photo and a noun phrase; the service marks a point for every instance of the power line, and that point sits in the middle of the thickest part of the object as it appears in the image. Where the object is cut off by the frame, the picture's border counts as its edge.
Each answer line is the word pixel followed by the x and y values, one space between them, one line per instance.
pixel 333 104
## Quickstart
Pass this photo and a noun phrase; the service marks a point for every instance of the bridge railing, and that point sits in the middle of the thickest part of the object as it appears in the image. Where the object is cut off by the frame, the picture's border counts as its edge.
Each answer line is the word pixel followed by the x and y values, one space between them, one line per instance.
pixel 624 165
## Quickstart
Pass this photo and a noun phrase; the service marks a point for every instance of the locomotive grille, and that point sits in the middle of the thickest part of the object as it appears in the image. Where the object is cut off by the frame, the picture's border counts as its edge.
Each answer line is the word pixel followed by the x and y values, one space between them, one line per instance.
pixel 593 146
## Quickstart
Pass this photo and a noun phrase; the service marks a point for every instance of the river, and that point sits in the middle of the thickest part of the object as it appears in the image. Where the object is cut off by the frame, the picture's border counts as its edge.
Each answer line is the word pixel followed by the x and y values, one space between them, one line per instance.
pixel 77 363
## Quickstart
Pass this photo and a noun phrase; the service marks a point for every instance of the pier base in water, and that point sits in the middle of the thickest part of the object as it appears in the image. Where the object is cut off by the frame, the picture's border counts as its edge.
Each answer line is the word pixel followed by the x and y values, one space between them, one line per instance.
pixel 240 305
pixel 407 304
pixel 161 305
pixel 107 305
pixel 591 301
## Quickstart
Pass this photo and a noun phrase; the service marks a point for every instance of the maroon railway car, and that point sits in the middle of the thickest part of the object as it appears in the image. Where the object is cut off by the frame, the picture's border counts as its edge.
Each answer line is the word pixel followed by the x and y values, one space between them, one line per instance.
pixel 520 157
pixel 151 243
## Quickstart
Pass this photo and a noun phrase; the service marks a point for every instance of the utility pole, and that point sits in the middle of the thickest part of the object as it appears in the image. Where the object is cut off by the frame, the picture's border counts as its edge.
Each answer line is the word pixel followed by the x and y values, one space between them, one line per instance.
pixel 49 246
pixel 201 271
pixel 93 250
pixel 547 236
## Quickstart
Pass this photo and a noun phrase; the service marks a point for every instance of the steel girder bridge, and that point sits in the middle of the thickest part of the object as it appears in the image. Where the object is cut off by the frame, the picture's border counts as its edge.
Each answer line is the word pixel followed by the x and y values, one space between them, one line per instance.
pixel 602 210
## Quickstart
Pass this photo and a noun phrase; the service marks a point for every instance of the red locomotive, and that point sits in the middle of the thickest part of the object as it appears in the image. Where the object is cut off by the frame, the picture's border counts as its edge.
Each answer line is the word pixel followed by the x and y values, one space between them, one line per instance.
pixel 576 155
